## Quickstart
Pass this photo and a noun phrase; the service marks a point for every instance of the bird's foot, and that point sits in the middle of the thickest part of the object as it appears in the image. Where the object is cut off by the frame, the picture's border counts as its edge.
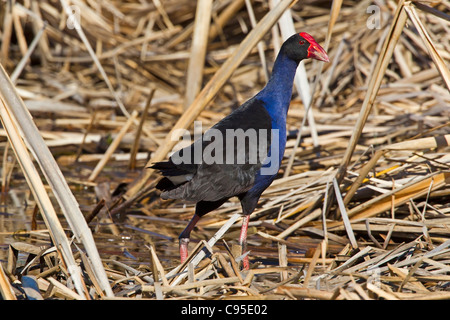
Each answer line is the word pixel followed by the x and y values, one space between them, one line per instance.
pixel 184 242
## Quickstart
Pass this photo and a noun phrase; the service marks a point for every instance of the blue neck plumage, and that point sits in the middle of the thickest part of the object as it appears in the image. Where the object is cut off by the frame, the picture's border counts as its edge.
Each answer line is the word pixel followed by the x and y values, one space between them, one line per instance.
pixel 276 97
pixel 277 93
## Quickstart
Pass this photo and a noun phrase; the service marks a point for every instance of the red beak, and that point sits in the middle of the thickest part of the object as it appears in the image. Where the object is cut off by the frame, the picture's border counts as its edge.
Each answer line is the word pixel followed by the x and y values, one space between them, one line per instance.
pixel 315 51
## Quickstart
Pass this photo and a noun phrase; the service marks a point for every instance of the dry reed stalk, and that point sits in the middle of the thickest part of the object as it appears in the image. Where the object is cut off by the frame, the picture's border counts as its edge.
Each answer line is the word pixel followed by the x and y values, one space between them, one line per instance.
pixel 396 28
pixel 158 267
pixel 17 114
pixel 94 57
pixel 24 60
pixel 229 12
pixel 7 31
pixel 344 215
pixel 7 170
pixel 37 25
pixel 311 266
pixel 423 143
pixel 6 289
pixel 410 190
pixel 41 196
pixel 198 51
pixel 308 293
pixel 315 214
pixel 362 176
pixel 135 148
pixel 112 148
pixel 66 291
pixel 195 285
pixel 432 51
pixel 23 46
pixel 260 44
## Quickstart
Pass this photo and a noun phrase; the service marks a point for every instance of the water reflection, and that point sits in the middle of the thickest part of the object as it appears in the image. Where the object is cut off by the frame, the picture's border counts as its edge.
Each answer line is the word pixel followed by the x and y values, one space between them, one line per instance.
pixel 128 243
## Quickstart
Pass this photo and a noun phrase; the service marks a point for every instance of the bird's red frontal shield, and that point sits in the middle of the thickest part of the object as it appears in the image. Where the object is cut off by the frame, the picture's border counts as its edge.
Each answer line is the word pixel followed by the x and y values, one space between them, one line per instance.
pixel 315 51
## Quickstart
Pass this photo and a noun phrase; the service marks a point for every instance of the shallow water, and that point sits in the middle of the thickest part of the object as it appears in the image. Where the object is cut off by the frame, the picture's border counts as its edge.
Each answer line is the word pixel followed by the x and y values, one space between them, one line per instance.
pixel 15 219
pixel 128 245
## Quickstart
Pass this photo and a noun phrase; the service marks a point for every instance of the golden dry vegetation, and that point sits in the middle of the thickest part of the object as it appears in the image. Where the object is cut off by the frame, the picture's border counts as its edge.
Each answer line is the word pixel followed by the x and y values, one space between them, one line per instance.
pixel 360 209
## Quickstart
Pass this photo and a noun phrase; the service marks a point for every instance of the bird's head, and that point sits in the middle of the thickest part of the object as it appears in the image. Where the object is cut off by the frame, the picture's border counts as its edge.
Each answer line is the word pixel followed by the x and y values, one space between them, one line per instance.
pixel 302 46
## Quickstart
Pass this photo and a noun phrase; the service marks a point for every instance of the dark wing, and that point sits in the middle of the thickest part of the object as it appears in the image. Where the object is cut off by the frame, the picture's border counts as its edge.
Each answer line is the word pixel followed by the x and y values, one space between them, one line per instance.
pixel 206 171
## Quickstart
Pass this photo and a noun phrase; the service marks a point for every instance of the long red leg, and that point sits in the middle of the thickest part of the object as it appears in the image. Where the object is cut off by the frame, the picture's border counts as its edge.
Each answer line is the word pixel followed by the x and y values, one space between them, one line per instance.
pixel 243 240
pixel 185 237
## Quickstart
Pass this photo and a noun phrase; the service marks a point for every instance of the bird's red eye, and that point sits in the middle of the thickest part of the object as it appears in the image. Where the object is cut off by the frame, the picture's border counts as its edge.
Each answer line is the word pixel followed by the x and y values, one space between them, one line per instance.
pixel 302 42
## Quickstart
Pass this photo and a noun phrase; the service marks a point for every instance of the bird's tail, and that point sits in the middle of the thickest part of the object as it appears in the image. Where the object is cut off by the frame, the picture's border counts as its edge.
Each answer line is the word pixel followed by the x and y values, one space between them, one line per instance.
pixel 173 178
pixel 168 168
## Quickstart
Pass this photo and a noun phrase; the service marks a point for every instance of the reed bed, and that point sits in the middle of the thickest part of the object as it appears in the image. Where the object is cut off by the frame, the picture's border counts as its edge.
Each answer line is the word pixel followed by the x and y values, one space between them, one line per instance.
pixel 92 92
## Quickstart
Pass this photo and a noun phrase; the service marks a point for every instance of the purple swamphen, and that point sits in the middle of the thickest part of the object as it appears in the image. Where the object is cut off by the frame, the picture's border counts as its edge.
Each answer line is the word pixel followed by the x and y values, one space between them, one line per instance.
pixel 240 155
